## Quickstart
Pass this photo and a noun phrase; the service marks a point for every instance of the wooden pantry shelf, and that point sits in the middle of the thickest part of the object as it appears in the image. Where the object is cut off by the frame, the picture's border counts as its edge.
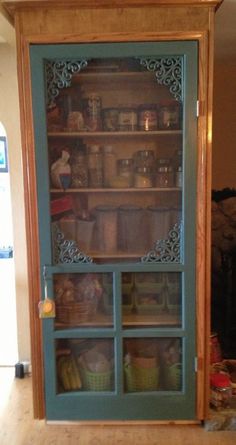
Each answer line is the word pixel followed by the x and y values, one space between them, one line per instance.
pixel 117 190
pixel 116 134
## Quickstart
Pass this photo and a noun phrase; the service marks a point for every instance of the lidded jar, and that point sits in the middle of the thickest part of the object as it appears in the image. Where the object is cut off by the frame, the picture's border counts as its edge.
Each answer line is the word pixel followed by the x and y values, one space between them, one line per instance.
pixel 79 167
pixel 165 173
pixel 95 166
pixel 143 177
pixel 109 165
pixel 125 170
pixel 145 158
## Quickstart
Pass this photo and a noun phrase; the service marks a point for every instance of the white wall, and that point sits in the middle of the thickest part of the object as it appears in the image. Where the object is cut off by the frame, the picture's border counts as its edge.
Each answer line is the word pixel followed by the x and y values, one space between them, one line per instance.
pixel 9 116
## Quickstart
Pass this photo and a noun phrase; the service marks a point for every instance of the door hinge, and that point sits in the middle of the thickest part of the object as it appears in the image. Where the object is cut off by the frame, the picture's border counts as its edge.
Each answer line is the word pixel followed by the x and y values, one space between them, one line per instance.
pixel 196 364
pixel 198 108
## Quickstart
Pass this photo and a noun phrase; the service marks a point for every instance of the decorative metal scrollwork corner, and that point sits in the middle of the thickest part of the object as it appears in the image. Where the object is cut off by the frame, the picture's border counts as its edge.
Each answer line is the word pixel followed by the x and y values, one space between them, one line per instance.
pixel 66 251
pixel 167 250
pixel 59 74
pixel 168 72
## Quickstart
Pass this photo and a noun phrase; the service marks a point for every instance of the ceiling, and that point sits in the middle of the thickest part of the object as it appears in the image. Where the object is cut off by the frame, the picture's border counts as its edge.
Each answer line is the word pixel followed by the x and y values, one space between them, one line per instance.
pixel 225 31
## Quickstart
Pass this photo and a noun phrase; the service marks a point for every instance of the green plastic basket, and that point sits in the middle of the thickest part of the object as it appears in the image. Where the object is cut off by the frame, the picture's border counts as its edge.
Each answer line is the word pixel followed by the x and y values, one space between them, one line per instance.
pixel 96 381
pixel 173 376
pixel 141 379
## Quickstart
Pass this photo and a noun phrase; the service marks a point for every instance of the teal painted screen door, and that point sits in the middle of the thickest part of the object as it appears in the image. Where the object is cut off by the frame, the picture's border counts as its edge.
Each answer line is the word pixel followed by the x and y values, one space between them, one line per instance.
pixel 115 135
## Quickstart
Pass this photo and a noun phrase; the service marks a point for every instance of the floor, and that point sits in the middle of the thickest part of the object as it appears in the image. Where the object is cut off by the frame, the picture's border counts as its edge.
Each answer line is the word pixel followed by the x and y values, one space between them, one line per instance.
pixel 17 426
pixel 8 332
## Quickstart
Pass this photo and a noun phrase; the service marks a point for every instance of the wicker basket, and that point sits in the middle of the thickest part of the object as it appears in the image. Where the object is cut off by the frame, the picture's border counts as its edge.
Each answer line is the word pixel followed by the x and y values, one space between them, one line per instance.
pixel 96 381
pixel 75 313
pixel 141 379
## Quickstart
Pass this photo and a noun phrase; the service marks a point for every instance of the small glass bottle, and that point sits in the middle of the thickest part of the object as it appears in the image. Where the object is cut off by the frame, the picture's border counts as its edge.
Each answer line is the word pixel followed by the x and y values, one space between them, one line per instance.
pixel 95 167
pixel 109 165
pixel 165 174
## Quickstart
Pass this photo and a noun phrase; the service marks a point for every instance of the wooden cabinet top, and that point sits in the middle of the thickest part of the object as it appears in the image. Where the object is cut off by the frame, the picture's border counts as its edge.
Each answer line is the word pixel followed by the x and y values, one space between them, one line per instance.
pixel 14 5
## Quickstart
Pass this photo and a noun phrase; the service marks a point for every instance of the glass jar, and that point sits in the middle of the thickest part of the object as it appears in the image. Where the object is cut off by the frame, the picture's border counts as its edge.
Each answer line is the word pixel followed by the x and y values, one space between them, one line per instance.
pixel 95 167
pixel 79 168
pixel 179 177
pixel 147 117
pixel 221 390
pixel 165 173
pixel 109 165
pixel 125 170
pixel 169 115
pixel 143 177
pixel 145 158
pixel 128 119
pixel 106 228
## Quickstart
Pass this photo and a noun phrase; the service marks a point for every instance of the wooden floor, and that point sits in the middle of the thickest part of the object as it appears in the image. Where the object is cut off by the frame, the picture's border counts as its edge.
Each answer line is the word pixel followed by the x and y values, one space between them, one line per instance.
pixel 17 426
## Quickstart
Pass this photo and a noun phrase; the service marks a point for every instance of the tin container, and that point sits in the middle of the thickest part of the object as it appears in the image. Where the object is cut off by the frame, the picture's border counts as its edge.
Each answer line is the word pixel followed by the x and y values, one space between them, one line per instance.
pixel 128 119
pixel 169 115
pixel 147 117
pixel 110 118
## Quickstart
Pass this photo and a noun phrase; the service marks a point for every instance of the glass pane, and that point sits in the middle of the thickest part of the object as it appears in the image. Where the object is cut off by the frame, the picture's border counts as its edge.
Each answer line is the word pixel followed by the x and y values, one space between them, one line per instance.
pixel 152 364
pixel 115 160
pixel 151 299
pixel 85 365
pixel 83 300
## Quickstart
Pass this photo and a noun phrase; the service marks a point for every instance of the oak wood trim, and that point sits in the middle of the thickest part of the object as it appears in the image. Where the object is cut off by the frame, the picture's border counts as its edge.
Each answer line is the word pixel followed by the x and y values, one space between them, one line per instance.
pixel 201 227
pixel 112 37
pixel 208 209
pixel 31 215
pixel 15 5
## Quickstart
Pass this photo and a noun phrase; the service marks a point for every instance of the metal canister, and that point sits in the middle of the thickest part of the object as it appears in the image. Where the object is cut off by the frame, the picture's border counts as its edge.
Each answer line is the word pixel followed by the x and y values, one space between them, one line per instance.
pixel 110 119
pixel 169 115
pixel 92 106
pixel 128 119
pixel 147 117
